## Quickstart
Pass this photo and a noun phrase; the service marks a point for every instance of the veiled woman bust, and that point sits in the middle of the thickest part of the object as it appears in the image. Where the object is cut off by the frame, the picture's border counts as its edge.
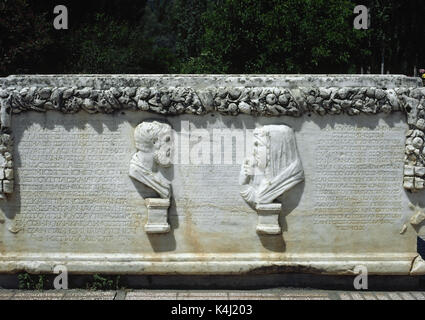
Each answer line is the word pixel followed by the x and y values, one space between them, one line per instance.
pixel 274 168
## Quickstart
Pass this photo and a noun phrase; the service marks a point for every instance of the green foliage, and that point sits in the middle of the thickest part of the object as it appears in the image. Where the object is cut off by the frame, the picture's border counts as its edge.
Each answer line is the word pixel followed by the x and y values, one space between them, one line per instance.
pixel 110 46
pixel 278 36
pixel 185 18
pixel 110 36
pixel 104 36
pixel 210 36
pixel 27 281
pixel 100 282
pixel 23 34
pixel 396 34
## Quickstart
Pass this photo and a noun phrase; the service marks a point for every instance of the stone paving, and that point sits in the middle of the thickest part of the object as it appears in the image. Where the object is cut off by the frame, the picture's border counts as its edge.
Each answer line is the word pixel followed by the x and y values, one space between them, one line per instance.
pixel 272 294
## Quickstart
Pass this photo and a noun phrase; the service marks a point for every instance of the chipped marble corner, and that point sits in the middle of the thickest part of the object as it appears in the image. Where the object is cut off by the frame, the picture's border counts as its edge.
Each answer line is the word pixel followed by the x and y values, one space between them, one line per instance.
pixel 255 101
pixel 418 267
pixel 14 229
pixel 153 141
pixel 418 216
pixel 274 168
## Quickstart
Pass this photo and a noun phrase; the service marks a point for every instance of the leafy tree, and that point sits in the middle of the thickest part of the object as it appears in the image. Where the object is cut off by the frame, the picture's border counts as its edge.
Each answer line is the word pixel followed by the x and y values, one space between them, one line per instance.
pixel 210 36
pixel 110 46
pixel 157 24
pixel 24 38
pixel 186 22
pixel 107 36
pixel 396 35
pixel 278 36
pixel 104 36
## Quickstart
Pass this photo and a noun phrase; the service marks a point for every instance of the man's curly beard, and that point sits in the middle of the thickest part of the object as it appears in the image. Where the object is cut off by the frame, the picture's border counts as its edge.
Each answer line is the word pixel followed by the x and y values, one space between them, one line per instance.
pixel 162 156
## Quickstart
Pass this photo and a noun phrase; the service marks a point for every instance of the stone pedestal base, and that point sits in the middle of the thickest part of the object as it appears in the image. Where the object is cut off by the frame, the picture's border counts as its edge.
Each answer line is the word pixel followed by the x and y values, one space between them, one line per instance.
pixel 268 218
pixel 157 215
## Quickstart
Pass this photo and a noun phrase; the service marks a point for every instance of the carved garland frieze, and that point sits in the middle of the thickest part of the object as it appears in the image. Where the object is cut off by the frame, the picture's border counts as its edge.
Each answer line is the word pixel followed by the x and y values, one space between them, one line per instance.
pixel 257 101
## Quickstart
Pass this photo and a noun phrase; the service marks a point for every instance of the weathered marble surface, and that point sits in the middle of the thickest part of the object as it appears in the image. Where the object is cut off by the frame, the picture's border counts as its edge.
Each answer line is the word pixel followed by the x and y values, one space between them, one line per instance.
pixel 75 203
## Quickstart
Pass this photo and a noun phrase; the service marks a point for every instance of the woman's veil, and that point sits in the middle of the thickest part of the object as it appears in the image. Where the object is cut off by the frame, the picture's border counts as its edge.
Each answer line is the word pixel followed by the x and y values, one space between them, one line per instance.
pixel 285 169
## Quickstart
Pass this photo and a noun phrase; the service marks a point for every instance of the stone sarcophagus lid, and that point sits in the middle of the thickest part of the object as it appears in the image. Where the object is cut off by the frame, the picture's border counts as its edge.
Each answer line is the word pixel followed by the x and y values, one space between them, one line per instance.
pixel 204 174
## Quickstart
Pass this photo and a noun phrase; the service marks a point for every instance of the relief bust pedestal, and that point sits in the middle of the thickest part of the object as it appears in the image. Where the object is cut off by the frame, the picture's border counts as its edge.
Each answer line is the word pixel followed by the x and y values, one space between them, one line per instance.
pixel 157 215
pixel 154 145
pixel 268 218
pixel 274 169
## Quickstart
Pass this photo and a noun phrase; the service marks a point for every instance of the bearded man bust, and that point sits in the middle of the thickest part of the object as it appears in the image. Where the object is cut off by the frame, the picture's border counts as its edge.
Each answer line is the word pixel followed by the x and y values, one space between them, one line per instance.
pixel 154 145
pixel 153 142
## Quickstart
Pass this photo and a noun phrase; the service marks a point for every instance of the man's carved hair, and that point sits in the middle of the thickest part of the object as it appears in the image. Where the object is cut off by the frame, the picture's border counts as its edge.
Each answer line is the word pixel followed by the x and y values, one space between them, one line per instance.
pixel 146 134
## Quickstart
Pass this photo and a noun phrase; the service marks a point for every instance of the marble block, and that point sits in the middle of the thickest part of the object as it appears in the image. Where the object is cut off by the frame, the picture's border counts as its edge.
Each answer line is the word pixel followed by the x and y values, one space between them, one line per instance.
pixel 268 218
pixel 157 216
pixel 208 174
